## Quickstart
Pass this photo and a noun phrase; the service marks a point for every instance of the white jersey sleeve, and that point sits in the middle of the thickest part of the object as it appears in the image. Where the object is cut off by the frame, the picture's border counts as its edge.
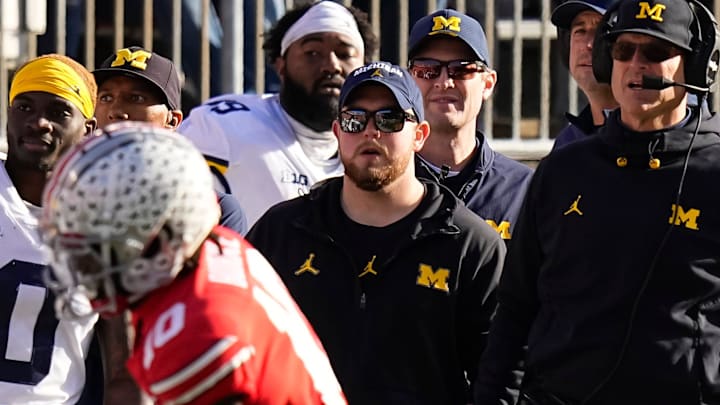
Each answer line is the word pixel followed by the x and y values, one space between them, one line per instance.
pixel 42 359
pixel 253 151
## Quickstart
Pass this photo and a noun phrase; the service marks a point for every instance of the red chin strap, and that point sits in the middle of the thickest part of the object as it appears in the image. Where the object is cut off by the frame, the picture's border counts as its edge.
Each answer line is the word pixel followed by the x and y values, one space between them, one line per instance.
pixel 105 308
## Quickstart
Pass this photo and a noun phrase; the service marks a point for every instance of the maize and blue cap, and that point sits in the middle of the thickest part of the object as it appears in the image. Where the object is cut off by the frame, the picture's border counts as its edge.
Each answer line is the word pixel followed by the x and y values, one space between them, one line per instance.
pixel 395 78
pixel 668 20
pixel 141 63
pixel 452 23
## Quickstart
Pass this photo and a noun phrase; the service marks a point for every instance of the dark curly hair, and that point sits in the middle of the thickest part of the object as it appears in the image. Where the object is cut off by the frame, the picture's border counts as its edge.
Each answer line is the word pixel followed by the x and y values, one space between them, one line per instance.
pixel 273 38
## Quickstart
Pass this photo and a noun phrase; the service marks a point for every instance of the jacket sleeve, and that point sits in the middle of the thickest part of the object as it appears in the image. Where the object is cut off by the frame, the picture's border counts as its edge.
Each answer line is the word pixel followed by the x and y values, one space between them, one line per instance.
pixel 232 215
pixel 262 233
pixel 478 298
pixel 500 369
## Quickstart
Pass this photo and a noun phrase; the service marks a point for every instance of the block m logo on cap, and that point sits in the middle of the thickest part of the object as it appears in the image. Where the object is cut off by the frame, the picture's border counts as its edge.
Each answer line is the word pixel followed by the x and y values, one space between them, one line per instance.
pixel 443 24
pixel 654 12
pixel 137 59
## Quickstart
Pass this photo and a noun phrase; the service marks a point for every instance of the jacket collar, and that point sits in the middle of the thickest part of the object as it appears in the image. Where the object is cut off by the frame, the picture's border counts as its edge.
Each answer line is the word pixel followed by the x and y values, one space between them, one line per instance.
pixel 324 209
pixel 672 140
pixel 584 120
pixel 658 148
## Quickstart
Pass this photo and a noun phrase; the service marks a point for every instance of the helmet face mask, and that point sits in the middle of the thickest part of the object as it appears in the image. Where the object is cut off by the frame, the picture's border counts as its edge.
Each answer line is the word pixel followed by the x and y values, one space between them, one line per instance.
pixel 82 268
pixel 123 213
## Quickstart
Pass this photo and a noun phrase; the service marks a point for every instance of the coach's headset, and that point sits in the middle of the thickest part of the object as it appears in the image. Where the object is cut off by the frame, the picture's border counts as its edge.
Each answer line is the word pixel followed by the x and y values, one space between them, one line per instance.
pixel 701 63
pixel 701 67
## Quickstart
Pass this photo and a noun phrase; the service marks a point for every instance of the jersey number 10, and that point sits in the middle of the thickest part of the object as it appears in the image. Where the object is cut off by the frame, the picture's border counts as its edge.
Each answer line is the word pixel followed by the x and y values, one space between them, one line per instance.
pixel 27 324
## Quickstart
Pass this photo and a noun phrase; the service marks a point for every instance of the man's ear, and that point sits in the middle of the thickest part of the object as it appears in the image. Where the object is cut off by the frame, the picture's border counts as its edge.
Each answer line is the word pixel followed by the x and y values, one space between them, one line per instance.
pixel 90 126
pixel 175 117
pixel 490 79
pixel 421 134
pixel 279 65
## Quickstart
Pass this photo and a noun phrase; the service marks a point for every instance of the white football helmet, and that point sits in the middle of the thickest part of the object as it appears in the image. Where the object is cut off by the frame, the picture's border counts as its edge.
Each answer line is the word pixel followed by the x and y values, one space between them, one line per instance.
pixel 122 213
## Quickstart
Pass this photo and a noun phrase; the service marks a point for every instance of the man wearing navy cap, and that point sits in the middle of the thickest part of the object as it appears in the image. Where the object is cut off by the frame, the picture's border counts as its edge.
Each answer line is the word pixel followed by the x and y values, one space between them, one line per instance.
pixel 613 282
pixel 135 84
pixel 576 23
pixel 450 62
pixel 393 272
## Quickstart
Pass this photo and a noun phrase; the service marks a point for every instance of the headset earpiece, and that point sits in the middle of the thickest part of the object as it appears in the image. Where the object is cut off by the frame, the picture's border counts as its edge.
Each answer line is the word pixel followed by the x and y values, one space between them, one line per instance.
pixel 701 64
pixel 601 59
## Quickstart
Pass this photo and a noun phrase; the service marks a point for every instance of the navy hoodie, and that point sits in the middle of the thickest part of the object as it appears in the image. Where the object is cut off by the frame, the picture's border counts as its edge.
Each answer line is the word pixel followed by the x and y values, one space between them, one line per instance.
pixel 601 233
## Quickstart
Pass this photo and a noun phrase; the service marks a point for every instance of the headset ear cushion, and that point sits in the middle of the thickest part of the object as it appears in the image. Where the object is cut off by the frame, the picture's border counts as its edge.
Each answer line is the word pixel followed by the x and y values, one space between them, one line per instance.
pixel 601 58
pixel 701 66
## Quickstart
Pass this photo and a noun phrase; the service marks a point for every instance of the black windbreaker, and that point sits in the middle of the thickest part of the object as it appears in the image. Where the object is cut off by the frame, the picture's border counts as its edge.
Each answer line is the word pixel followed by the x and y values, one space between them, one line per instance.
pixel 589 232
pixel 400 342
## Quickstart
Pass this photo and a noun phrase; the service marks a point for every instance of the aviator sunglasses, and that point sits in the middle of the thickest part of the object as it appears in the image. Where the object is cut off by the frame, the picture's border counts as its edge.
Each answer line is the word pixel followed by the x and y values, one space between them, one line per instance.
pixel 386 120
pixel 652 52
pixel 426 68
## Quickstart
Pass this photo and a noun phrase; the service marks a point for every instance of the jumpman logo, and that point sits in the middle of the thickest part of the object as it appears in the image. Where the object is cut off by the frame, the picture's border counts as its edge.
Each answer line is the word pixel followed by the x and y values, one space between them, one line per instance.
pixel 574 207
pixel 369 268
pixel 307 266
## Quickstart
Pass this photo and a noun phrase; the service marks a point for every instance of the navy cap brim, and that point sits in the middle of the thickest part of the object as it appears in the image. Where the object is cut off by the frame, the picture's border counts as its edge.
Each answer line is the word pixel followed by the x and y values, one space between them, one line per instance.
pixel 564 14
pixel 451 24
pixel 105 73
pixel 438 34
pixel 397 93
pixel 651 33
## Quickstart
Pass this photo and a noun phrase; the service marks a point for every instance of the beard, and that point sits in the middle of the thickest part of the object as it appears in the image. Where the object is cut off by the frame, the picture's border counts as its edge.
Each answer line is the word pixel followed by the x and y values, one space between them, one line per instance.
pixel 317 111
pixel 378 175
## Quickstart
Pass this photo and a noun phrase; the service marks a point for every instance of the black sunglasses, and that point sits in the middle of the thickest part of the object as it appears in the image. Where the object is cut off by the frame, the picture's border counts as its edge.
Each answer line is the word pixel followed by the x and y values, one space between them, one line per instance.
pixel 426 68
pixel 652 52
pixel 387 120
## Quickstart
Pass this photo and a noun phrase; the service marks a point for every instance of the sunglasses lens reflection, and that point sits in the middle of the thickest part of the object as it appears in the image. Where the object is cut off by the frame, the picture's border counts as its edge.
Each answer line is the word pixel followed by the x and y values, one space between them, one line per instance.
pixel 654 53
pixel 457 69
pixel 355 121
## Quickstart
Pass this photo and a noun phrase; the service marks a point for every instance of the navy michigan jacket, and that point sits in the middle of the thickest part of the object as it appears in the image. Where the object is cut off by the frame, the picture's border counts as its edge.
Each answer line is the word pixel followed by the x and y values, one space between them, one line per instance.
pixel 611 277
pixel 494 190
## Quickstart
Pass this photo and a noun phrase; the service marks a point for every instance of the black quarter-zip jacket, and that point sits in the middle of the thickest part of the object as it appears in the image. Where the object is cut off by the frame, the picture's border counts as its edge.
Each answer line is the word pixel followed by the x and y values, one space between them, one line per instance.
pixel 414 337
pixel 589 231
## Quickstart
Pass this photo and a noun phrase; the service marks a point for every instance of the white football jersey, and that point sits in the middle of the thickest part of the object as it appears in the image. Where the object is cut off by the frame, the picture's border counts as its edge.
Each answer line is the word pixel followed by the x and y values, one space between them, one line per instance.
pixel 42 360
pixel 253 152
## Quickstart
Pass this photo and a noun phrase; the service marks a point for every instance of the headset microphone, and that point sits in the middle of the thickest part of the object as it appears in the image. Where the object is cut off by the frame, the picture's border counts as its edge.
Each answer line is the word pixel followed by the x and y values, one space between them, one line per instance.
pixel 659 83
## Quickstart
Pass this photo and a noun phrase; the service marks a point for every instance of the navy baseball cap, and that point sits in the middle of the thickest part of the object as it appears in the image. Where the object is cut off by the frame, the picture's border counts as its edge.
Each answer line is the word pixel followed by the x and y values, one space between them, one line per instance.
pixel 669 20
pixel 565 13
pixel 394 77
pixel 452 23
pixel 141 63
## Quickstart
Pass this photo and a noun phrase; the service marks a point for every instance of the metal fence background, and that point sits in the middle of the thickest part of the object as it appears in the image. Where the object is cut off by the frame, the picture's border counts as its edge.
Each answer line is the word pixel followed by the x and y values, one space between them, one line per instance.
pixel 533 90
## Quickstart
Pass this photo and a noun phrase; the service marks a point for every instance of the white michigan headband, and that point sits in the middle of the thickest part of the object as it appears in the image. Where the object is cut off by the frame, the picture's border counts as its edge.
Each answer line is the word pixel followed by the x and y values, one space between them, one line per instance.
pixel 326 16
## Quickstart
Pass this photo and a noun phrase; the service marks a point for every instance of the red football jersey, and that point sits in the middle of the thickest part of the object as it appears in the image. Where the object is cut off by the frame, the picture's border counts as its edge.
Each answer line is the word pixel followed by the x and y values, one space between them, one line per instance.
pixel 229 328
